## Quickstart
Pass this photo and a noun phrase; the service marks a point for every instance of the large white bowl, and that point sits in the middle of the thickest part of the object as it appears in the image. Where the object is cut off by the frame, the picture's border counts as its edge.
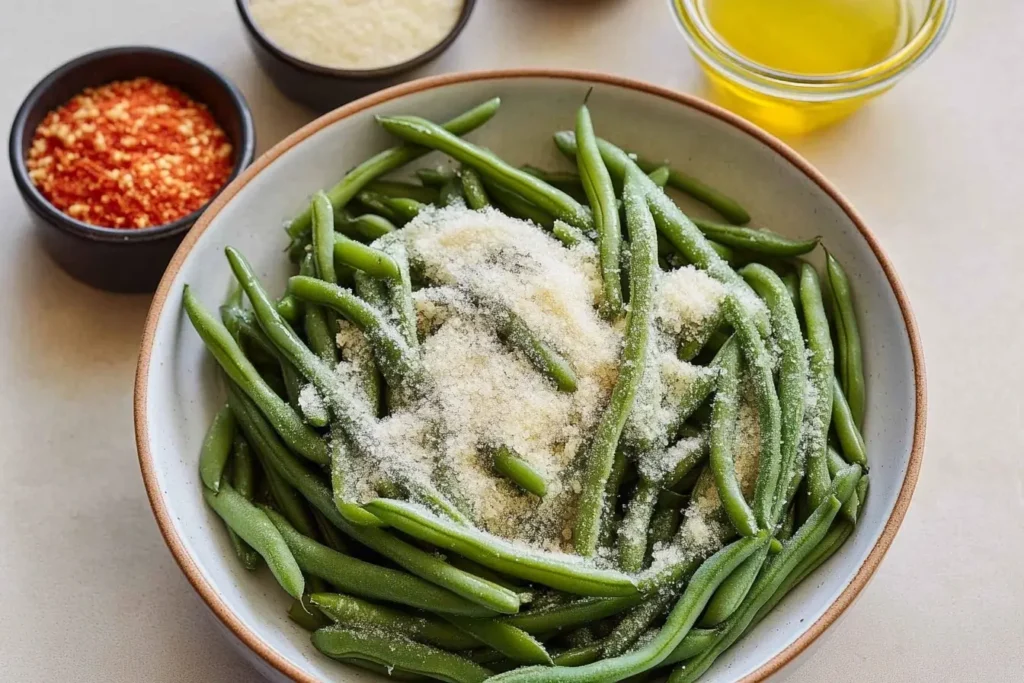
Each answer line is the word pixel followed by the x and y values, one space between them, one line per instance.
pixel 177 390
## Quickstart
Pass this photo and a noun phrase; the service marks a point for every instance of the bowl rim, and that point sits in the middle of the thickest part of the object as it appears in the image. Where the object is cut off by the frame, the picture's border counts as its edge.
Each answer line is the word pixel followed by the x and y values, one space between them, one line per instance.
pixel 260 647
pixel 354 74
pixel 51 214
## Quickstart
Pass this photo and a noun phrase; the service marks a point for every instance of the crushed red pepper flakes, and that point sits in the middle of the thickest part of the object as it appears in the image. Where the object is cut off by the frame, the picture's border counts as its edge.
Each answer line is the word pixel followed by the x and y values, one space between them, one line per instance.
pixel 129 154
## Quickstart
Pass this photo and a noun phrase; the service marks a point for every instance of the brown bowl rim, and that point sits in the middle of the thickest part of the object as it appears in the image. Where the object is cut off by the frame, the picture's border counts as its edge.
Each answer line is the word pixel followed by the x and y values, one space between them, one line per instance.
pixel 354 74
pixel 209 594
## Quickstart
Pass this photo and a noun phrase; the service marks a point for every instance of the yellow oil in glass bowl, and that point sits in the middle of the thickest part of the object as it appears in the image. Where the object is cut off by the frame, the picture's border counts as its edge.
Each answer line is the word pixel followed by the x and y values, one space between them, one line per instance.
pixel 797 65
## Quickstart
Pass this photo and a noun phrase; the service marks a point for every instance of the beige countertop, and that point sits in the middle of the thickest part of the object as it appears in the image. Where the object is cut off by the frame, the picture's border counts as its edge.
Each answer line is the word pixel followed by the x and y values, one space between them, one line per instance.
pixel 88 589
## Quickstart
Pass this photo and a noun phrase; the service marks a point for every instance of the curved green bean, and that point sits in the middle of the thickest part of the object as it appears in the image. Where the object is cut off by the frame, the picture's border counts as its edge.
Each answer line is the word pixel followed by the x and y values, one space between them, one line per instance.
pixel 225 349
pixel 681 619
pixel 552 200
pixel 290 309
pixel 635 353
pixel 792 375
pixel 850 356
pixel 541 355
pixel 597 184
pixel 434 177
pixel 501 555
pixel 566 181
pixel 373 262
pixel 757 240
pixel 403 209
pixel 389 160
pixel 397 652
pixel 730 594
pixel 696 641
pixel 367 226
pixel 568 235
pixel 729 208
pixel 850 438
pixel 349 611
pixel 473 189
pixel 822 377
pixel 509 464
pixel 397 189
pixel 564 615
pixel 723 437
pixel 514 643
pixel 252 524
pixel 216 449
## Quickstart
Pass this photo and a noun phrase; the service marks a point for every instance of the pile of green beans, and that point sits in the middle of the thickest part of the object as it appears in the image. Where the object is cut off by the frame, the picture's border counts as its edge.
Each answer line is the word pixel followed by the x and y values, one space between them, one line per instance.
pixel 405 584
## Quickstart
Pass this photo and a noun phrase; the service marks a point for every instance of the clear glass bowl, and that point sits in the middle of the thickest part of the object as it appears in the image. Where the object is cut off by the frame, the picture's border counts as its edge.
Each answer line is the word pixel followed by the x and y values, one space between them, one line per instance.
pixel 792 103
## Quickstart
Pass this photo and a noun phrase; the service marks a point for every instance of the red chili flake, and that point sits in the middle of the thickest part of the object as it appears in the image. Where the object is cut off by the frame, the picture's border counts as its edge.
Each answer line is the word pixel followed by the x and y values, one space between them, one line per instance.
pixel 129 154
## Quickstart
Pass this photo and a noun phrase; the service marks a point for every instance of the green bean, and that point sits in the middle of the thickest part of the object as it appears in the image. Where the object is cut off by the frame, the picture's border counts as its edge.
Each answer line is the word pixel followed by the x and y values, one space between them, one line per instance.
pixel 511 465
pixel 850 359
pixel 633 530
pixel 252 524
pixel 832 542
pixel 399 653
pixel 792 377
pixel 473 189
pixel 249 558
pixel 389 160
pixel 367 226
pixel 597 184
pixel 690 348
pixel 821 364
pixel 639 620
pixel 729 208
pixel 353 612
pixel 578 656
pixel 490 166
pixel 671 222
pixel 730 594
pixel 416 561
pixel 378 204
pixel 567 235
pixel 451 193
pixel 757 240
pixel 315 324
pixel 397 189
pixel 223 347
pixel 398 363
pixel 213 457
pixel 404 209
pixel 846 428
pixel 517 207
pixel 391 672
pixel 289 308
pixel 330 534
pixel 434 177
pixel 400 292
pixel 862 489
pixel 483 572
pixel 696 641
pixel 635 355
pixel 679 622
pixel 299 246
pixel 373 262
pixel 768 581
pixel 577 612
pixel 616 476
pixel 723 436
pixel 792 282
pixel 289 503
pixel 369 580
pixel 566 181
pixel 541 355
pixel 514 643
pixel 664 521
pixel 659 176
pixel 323 238
pixel 501 555
pixel 788 523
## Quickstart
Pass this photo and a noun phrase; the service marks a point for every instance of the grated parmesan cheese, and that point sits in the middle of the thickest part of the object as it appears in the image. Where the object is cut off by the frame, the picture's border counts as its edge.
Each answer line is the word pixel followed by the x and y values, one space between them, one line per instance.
pixel 355 34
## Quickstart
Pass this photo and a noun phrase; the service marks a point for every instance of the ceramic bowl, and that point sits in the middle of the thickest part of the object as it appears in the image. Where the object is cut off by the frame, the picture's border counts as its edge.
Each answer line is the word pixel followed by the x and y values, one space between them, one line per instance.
pixel 178 390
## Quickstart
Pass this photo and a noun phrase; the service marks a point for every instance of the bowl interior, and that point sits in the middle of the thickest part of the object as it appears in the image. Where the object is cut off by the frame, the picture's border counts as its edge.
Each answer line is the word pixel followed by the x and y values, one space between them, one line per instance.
pixel 195 79
pixel 178 388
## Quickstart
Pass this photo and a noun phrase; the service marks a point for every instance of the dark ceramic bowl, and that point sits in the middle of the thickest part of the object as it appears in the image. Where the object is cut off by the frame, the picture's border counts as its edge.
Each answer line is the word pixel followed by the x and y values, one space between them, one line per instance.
pixel 324 88
pixel 107 258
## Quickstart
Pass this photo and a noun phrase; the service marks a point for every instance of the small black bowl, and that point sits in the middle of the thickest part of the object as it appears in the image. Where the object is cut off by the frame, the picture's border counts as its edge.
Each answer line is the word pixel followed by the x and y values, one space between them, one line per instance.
pixel 108 258
pixel 324 88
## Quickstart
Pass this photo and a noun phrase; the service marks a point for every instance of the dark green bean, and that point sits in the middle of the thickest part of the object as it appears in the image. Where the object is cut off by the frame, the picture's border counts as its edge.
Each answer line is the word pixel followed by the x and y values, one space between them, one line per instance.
pixel 821 364
pixel 398 652
pixel 434 177
pixel 252 524
pixel 850 357
pixel 289 503
pixel 517 207
pixel 664 521
pixel 639 620
pixel 514 643
pixel 729 208
pixel 367 226
pixel 378 204
pixel 397 189
pixel 490 166
pixel 315 323
pixel 577 612
pixel 501 555
pixel 213 457
pixel 389 160
pixel 223 347
pixel 635 354
pixel 846 428
pixel 578 656
pixel 349 611
pixel 308 617
pixel 597 184
pixel 616 476
pixel 512 466
pixel 473 189
pixel 757 240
